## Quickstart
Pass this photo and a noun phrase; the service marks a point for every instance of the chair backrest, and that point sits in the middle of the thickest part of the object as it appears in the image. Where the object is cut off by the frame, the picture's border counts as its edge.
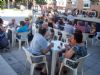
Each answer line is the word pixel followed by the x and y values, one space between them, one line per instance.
pixel 34 29
pixel 56 33
pixel 23 35
pixel 28 54
pixel 64 36
pixel 78 64
pixel 85 36
pixel 81 62
pixel 98 34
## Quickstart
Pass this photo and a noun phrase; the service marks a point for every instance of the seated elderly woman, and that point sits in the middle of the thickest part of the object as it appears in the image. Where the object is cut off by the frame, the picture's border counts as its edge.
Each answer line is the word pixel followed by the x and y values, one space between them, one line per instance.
pixel 77 47
pixel 23 27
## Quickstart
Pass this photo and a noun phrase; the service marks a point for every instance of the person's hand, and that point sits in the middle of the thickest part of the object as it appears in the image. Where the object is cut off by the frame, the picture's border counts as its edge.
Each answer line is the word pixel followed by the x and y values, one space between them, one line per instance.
pixel 51 45
pixel 2 28
pixel 67 47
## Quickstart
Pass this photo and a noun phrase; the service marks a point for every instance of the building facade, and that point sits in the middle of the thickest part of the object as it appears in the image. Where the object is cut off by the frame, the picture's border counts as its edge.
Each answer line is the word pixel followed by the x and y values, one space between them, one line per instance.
pixel 83 4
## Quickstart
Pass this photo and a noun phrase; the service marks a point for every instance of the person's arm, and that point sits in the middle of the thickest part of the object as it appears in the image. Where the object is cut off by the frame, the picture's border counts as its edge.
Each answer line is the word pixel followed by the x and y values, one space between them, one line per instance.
pixel 2 28
pixel 69 53
pixel 93 31
pixel 48 48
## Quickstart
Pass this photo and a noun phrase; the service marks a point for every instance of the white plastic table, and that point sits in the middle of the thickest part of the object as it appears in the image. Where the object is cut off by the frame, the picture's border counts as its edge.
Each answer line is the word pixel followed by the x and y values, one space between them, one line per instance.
pixel 5 69
pixel 55 50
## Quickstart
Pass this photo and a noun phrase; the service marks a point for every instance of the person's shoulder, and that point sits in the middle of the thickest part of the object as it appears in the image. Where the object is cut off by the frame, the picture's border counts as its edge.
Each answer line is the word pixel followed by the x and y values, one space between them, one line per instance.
pixel 38 36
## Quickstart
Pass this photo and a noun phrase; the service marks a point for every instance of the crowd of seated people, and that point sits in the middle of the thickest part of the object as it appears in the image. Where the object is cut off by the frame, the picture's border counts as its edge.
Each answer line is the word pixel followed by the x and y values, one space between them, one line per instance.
pixel 74 50
pixel 24 26
pixel 39 43
pixel 85 13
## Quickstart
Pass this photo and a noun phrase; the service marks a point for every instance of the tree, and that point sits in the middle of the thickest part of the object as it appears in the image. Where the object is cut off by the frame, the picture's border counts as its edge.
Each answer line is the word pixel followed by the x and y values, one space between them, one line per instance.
pixel 94 1
pixel 2 3
pixel 40 3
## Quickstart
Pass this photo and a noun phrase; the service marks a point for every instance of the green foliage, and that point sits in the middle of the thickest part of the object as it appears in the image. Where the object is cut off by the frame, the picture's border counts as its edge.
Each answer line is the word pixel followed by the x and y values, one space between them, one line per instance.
pixel 95 0
pixel 2 3
pixel 40 2
pixel 18 0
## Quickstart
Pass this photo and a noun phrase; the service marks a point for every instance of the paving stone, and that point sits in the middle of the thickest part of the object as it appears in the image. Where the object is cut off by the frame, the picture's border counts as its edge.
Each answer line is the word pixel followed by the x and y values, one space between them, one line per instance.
pixel 10 59
pixel 91 72
pixel 19 68
pixel 16 58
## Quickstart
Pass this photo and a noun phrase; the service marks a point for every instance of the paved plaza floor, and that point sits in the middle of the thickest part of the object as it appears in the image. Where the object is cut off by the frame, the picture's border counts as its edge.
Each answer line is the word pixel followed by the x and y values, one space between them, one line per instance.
pixel 16 59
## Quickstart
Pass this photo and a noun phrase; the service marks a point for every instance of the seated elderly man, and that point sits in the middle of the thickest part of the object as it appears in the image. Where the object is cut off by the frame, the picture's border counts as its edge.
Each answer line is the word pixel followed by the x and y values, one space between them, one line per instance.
pixel 39 44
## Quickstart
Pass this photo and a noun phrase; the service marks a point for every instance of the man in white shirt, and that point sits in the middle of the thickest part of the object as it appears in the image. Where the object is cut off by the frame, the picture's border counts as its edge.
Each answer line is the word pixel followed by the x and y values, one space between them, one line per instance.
pixel 39 44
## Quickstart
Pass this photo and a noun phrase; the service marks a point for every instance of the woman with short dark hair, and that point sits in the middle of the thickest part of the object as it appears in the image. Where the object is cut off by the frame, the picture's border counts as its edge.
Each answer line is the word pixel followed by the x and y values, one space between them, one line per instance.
pixel 77 47
pixel 23 27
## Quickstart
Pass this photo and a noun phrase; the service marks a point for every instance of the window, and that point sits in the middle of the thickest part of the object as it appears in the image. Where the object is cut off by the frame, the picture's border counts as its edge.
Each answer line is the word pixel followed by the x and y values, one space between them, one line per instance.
pixel 86 5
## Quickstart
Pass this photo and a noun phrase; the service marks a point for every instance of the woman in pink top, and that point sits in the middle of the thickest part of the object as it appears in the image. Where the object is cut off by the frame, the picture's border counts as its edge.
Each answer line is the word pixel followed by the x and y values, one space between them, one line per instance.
pixel 80 26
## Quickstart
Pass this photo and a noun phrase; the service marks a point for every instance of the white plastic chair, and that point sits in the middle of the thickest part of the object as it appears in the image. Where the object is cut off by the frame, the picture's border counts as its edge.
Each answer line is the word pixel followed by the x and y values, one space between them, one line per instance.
pixel 13 30
pixel 85 38
pixel 56 33
pixel 97 38
pixel 80 62
pixel 34 30
pixel 92 40
pixel 22 37
pixel 29 57
pixel 64 36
